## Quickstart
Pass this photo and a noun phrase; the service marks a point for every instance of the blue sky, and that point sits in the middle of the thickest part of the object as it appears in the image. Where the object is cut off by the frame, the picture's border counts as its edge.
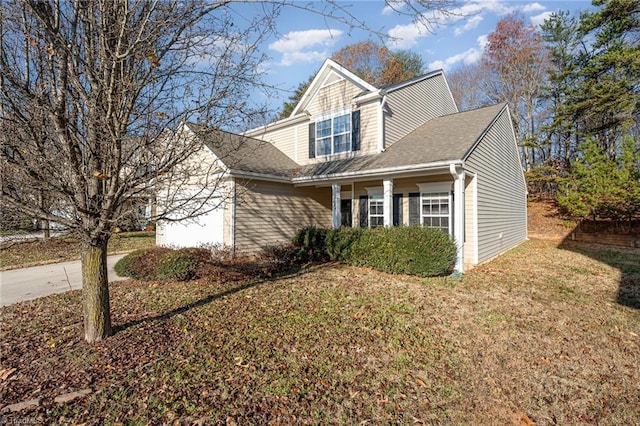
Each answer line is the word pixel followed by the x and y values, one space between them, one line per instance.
pixel 305 40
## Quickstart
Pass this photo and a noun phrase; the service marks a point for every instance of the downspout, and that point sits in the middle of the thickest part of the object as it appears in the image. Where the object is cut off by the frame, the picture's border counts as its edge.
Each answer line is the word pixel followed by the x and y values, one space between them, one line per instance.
pixel 457 172
pixel 381 123
pixel 232 225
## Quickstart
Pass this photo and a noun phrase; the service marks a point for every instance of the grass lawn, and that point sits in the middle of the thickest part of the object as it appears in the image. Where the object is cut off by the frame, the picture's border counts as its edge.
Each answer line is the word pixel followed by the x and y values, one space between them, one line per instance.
pixel 60 249
pixel 541 334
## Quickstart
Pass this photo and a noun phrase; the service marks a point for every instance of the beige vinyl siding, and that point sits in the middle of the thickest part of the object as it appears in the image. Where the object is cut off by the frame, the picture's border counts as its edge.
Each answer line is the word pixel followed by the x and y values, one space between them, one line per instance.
pixel 369 129
pixel 283 139
pixel 333 97
pixel 501 190
pixel 270 213
pixel 413 105
pixel 469 222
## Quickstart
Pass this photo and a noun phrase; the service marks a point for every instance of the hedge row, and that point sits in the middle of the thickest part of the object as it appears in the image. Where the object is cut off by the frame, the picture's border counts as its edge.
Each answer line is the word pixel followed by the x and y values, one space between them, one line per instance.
pixel 410 250
pixel 398 250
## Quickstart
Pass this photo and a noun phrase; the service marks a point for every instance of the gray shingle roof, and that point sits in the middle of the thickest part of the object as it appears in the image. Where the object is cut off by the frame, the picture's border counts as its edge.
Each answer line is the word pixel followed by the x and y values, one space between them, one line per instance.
pixel 446 138
pixel 245 154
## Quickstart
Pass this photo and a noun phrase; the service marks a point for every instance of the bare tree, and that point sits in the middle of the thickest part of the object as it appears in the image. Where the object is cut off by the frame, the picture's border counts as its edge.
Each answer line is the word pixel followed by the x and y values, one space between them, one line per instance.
pixel 469 86
pixel 88 89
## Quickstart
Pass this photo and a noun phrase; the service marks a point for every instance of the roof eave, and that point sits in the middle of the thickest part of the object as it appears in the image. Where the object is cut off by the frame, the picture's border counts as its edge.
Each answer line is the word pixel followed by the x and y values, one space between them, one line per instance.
pixel 260 176
pixel 376 173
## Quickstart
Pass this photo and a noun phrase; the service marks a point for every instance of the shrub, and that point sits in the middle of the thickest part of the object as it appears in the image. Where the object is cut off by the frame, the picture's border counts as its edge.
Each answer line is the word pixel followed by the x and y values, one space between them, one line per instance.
pixel 182 264
pixel 313 241
pixel 141 264
pixel 404 250
pixel 338 242
pixel 161 263
pixel 280 257
pixel 399 250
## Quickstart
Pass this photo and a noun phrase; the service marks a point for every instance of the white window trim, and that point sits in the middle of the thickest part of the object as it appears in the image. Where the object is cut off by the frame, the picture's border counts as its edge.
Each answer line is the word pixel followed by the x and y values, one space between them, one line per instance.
pixel 437 188
pixel 375 193
pixel 331 116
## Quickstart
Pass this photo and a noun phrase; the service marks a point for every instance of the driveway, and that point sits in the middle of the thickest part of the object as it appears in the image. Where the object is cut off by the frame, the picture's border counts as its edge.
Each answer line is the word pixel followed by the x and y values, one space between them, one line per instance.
pixel 18 285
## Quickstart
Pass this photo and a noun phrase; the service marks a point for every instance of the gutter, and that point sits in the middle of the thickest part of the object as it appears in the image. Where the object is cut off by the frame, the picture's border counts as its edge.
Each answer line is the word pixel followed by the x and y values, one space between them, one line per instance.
pixel 389 171
pixel 261 176
pixel 277 125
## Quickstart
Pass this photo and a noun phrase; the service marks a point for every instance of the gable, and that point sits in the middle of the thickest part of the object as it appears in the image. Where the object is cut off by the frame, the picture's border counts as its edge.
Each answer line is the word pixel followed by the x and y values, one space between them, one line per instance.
pixel 331 73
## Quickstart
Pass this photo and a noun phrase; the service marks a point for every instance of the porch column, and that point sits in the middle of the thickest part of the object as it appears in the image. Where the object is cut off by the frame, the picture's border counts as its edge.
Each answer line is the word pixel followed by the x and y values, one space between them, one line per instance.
pixel 387 197
pixel 458 213
pixel 335 205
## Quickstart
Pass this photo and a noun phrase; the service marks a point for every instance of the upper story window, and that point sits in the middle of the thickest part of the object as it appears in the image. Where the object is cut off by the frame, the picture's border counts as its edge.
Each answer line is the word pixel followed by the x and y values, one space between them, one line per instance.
pixel 335 134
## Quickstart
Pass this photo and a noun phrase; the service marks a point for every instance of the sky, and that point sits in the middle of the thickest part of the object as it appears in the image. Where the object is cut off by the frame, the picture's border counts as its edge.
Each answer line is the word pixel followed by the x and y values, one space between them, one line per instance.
pixel 305 40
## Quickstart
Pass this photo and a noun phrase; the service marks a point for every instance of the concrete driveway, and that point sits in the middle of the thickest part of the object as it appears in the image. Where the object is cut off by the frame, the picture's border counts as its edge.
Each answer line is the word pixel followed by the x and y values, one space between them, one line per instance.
pixel 22 284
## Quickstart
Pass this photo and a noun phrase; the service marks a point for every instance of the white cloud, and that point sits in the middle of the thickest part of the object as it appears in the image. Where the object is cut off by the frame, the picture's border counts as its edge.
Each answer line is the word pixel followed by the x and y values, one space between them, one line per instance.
pixel 392 6
pixel 468 57
pixel 483 40
pixel 305 46
pixel 539 19
pixel 470 25
pixel 533 7
pixel 405 36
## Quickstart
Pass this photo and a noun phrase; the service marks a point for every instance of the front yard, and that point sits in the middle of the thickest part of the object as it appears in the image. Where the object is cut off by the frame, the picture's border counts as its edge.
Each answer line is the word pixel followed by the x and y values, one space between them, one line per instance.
pixel 538 335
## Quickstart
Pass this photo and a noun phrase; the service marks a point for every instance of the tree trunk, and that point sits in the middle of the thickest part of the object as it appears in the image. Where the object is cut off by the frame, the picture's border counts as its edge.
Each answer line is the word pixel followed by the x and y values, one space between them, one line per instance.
pixel 95 291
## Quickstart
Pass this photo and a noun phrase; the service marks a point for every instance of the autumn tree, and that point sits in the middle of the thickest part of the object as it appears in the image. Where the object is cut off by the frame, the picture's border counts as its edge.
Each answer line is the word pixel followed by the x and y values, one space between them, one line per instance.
pixel 89 93
pixel 376 64
pixel 517 60
pixel 370 61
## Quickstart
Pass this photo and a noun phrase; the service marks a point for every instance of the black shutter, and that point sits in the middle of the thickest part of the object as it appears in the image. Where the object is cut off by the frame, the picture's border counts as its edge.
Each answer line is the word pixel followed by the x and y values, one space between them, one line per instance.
pixel 355 130
pixel 312 140
pixel 397 209
pixel 414 208
pixel 364 211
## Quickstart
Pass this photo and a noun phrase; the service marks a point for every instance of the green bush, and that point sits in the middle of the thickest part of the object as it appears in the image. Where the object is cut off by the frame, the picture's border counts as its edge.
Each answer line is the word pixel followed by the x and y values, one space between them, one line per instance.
pixel 411 250
pixel 338 242
pixel 141 264
pixel 161 263
pixel 181 265
pixel 313 242
pixel 404 250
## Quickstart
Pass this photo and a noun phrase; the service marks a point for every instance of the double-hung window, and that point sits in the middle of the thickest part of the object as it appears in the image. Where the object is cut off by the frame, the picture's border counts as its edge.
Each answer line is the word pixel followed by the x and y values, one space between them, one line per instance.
pixel 435 210
pixel 333 135
pixel 376 211
pixel 435 206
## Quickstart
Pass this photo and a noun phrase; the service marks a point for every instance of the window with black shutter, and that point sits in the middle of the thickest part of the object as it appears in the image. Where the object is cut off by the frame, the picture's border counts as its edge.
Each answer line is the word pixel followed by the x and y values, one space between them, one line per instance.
pixel 364 211
pixel 414 208
pixel 312 140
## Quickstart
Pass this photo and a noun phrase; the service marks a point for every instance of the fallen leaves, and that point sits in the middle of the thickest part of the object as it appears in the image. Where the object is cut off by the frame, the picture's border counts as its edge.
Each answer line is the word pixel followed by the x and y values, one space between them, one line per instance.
pixel 333 345
pixel 6 373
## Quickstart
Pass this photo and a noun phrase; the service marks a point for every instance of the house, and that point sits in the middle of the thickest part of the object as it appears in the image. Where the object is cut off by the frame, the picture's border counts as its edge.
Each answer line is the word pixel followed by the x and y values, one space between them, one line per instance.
pixel 352 154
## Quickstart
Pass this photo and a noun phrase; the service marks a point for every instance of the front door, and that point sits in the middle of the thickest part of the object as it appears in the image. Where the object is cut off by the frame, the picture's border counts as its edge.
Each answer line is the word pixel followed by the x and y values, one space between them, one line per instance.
pixel 345 213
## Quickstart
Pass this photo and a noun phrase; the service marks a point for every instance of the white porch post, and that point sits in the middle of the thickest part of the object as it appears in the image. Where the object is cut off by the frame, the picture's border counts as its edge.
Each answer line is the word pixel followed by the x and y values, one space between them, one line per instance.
pixel 458 208
pixel 387 196
pixel 335 205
